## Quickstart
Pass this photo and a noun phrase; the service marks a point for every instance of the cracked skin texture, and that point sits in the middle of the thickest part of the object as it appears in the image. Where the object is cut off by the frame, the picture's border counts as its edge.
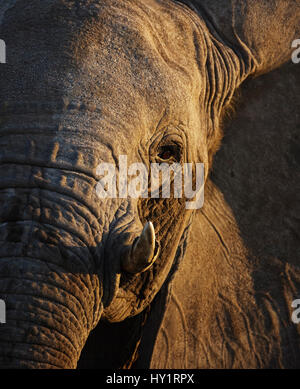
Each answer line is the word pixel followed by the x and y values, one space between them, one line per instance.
pixel 234 310
pixel 229 304
pixel 240 315
pixel 91 80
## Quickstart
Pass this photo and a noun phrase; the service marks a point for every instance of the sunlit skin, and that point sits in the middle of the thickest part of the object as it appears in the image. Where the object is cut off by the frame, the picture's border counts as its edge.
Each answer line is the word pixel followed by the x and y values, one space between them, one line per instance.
pixel 85 84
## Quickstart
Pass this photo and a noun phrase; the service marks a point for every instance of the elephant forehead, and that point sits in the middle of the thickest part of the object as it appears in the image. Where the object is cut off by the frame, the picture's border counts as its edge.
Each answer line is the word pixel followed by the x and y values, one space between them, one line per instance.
pixel 137 64
pixel 136 56
pixel 144 49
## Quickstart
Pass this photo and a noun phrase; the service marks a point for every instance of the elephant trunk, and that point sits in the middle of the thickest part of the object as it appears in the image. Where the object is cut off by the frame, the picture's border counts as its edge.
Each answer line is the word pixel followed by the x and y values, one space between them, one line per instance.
pixel 62 250
pixel 48 276
pixel 46 323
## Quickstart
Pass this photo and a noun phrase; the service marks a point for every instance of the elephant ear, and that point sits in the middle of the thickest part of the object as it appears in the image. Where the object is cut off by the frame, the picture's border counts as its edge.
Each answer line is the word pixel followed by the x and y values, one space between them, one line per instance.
pixel 260 32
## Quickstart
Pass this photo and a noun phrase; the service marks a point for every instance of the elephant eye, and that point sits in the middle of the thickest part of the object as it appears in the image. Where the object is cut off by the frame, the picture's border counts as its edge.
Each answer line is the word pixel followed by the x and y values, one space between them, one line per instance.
pixel 170 152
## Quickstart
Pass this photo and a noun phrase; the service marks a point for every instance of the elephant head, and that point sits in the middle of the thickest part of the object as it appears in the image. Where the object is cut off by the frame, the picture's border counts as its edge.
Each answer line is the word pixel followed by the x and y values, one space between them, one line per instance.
pixel 86 82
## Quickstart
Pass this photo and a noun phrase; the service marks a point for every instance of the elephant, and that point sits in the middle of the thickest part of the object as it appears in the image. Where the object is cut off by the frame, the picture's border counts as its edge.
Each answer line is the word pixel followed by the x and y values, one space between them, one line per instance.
pixel 260 215
pixel 86 82
pixel 248 312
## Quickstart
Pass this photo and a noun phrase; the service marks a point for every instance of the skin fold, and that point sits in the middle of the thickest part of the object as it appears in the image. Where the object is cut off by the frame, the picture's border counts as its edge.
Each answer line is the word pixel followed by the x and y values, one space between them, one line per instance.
pixel 84 83
pixel 241 315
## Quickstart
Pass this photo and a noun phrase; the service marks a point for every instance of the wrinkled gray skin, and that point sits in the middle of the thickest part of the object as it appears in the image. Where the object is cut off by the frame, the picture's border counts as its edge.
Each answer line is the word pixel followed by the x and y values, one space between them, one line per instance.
pixel 240 316
pixel 86 82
